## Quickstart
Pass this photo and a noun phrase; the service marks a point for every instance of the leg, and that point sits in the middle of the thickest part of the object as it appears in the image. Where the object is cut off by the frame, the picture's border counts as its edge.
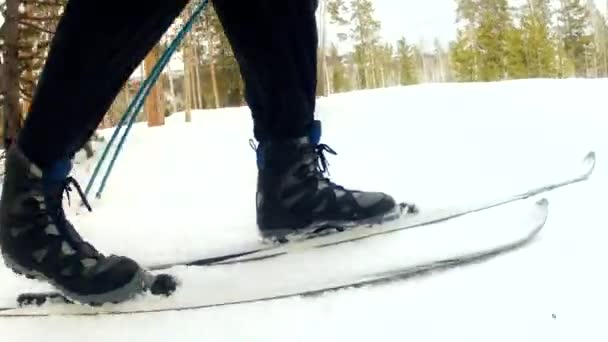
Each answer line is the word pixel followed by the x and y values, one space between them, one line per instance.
pixel 275 43
pixel 91 57
pixel 97 46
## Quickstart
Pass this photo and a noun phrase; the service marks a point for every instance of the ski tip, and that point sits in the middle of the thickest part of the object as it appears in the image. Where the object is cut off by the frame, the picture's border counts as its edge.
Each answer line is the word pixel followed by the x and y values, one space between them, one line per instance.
pixel 543 202
pixel 589 163
pixel 543 206
pixel 542 211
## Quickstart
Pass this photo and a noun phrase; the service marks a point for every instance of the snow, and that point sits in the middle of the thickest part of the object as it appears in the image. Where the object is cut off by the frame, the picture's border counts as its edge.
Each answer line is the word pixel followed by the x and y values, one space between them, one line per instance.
pixel 174 67
pixel 187 190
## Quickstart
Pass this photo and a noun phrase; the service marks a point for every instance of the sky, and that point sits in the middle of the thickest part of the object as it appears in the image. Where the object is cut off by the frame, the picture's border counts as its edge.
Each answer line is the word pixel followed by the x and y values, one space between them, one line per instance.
pixel 416 19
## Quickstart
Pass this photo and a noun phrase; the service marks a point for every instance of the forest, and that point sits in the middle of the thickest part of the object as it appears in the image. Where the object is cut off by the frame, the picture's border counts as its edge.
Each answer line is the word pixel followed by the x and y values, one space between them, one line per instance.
pixel 495 40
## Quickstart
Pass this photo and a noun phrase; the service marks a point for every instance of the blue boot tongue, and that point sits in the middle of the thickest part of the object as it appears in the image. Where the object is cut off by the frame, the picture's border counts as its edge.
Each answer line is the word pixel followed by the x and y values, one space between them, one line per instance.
pixel 56 174
pixel 58 171
pixel 315 132
pixel 314 137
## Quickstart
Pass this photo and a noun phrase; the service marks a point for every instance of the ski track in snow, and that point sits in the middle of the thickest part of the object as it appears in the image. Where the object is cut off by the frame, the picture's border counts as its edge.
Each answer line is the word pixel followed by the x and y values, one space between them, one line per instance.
pixel 187 190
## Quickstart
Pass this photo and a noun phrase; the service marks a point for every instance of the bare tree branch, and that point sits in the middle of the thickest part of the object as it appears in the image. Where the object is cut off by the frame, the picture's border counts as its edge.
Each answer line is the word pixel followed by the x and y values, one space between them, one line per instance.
pixel 35 27
pixel 45 3
pixel 11 75
pixel 2 78
pixel 28 58
pixel 25 94
pixel 50 18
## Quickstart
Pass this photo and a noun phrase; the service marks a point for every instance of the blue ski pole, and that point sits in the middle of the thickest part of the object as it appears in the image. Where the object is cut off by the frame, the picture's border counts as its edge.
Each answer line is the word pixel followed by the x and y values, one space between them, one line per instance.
pixel 148 86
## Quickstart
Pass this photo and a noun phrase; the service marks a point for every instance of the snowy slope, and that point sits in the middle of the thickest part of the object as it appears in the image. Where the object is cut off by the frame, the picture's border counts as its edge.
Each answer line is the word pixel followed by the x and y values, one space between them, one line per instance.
pixel 187 190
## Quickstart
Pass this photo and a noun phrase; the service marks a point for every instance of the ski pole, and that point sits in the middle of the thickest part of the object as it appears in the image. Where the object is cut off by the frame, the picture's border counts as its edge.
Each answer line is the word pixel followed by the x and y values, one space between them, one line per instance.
pixel 148 86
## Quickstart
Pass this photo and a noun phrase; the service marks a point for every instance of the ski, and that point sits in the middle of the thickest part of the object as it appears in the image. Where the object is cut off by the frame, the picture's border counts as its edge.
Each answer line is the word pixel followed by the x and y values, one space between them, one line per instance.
pixel 467 244
pixel 405 220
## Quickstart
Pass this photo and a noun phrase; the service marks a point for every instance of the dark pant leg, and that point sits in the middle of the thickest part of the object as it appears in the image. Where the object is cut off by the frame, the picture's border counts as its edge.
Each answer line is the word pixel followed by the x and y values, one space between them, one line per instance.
pixel 97 46
pixel 275 43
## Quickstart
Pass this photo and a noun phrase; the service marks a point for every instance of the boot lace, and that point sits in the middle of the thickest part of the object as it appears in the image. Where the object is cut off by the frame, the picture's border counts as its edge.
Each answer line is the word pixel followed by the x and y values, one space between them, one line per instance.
pixel 321 160
pixel 320 165
pixel 54 209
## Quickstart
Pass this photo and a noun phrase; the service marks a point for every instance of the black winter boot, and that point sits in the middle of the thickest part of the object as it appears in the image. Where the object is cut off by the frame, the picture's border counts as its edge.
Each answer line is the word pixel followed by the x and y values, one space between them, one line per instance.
pixel 39 242
pixel 294 196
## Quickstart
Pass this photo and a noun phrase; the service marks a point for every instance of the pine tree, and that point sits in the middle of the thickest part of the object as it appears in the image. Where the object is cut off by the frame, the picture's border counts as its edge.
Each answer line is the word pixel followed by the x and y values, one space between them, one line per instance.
pixel 573 28
pixel 536 39
pixel 214 76
pixel 600 39
pixel 565 64
pixel 463 51
pixel 337 10
pixel 338 80
pixel 467 12
pixel 463 57
pixel 385 66
pixel 406 63
pixel 515 56
pixel 493 27
pixel 365 35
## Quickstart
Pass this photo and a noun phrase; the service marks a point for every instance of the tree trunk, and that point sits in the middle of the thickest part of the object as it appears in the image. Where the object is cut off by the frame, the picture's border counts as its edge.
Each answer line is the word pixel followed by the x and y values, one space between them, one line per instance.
pixel 127 94
pixel 187 84
pixel 12 109
pixel 216 95
pixel 606 62
pixel 323 75
pixel 152 106
pixel 192 78
pixel 197 77
pixel 193 88
pixel 373 67
pixel 2 92
pixel 171 88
